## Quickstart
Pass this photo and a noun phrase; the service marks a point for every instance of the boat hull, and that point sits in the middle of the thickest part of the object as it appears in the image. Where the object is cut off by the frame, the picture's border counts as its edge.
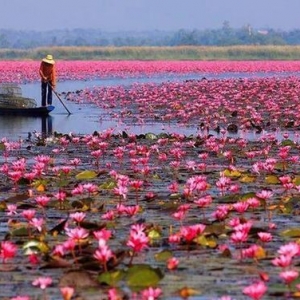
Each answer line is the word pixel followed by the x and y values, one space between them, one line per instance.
pixel 34 111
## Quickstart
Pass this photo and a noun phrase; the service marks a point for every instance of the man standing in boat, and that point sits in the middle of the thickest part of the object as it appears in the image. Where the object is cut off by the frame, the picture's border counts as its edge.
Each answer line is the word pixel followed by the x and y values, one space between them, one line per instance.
pixel 48 79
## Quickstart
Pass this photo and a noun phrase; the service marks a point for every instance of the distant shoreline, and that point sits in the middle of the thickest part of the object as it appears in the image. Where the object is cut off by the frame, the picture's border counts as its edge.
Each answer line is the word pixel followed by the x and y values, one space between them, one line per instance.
pixel 205 53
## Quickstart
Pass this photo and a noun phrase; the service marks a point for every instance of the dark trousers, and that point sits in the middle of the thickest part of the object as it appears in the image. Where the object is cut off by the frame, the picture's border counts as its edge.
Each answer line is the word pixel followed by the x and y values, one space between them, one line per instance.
pixel 46 94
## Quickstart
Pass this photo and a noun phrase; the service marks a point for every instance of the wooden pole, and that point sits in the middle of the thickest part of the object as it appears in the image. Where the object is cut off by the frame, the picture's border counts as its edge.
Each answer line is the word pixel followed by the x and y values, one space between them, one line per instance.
pixel 56 94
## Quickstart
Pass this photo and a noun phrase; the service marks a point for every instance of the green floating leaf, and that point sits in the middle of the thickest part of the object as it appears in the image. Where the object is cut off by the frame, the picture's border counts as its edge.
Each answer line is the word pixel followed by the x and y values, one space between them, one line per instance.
pixel 63 182
pixel 86 175
pixel 232 174
pixel 272 179
pixel 109 185
pixel 229 198
pixel 291 232
pixel 163 135
pixel 154 234
pixel 2 146
pixel 280 166
pixel 287 142
pixel 296 180
pixel 247 178
pixel 35 246
pixel 143 276
pixel 163 255
pixel 206 242
pixel 21 231
pixel 175 196
pixel 151 136
pixel 215 229
pixel 111 278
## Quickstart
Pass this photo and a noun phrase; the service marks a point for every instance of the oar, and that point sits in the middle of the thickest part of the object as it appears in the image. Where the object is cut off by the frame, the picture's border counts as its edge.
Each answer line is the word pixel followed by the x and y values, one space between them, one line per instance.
pixel 56 94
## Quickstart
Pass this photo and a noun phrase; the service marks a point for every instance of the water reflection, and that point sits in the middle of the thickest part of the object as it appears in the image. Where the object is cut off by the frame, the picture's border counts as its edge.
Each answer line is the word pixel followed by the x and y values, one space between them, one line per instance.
pixel 46 129
pixel 15 127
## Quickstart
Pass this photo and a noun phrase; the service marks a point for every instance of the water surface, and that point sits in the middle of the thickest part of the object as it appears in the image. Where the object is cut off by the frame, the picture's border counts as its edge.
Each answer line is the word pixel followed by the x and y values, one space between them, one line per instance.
pixel 86 118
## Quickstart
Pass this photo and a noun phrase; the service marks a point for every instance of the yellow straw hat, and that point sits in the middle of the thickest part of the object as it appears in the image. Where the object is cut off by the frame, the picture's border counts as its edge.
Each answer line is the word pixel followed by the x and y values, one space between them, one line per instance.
pixel 49 59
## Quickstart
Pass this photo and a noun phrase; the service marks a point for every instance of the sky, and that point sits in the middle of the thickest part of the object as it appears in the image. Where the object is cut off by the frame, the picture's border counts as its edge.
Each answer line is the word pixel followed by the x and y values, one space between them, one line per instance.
pixel 141 15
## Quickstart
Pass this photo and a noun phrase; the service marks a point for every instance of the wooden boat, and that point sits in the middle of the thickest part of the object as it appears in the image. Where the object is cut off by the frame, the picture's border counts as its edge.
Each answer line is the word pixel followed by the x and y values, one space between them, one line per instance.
pixel 31 111
pixel 13 103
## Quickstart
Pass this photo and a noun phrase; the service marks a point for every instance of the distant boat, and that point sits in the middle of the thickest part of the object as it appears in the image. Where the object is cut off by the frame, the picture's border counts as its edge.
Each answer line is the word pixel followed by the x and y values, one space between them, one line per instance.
pixel 13 103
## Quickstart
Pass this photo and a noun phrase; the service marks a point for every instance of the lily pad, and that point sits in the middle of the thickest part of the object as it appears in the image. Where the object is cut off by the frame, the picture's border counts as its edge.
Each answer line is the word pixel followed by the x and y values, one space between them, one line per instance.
pixel 247 178
pixel 291 232
pixel 232 174
pixel 163 255
pixel 143 275
pixel 151 136
pixel 111 278
pixel 35 246
pixel 86 175
pixel 272 179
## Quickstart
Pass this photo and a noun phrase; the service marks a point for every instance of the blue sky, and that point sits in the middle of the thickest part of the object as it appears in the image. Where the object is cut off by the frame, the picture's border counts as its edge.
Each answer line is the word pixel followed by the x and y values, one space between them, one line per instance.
pixel 139 15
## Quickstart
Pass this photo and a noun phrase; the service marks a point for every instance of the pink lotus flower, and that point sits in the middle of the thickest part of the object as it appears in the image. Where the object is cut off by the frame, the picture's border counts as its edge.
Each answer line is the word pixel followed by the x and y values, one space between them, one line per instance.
pixel 136 184
pixel 78 216
pixel 291 249
pixel 173 187
pixel 77 234
pixel 42 200
pixel 282 261
pixel 265 236
pixel 239 237
pixel 28 214
pixel 189 233
pixel 79 190
pixel 37 223
pixel 110 215
pixel 174 238
pixel 255 291
pixel 61 196
pixel 90 188
pixel 131 210
pixel 103 254
pixel 179 215
pixel 113 294
pixel 221 212
pixel 7 250
pixel 250 252
pixel 102 234
pixel 121 191
pixel 11 209
pixel 58 250
pixel 42 282
pixel 289 276
pixel 241 207
pixel 137 241
pixel 172 263
pixel 204 201
pixel 264 194
pixel 151 293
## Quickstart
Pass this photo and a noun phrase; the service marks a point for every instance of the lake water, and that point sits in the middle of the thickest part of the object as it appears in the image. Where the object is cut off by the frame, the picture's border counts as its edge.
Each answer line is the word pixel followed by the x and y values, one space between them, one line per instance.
pixel 86 118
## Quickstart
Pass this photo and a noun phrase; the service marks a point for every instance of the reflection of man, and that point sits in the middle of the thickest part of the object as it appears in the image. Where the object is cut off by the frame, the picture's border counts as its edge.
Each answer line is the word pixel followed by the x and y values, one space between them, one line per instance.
pixel 48 78
pixel 46 126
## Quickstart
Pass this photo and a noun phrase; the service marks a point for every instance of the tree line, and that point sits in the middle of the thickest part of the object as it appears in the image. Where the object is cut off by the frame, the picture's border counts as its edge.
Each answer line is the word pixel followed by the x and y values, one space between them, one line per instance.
pixel 224 36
